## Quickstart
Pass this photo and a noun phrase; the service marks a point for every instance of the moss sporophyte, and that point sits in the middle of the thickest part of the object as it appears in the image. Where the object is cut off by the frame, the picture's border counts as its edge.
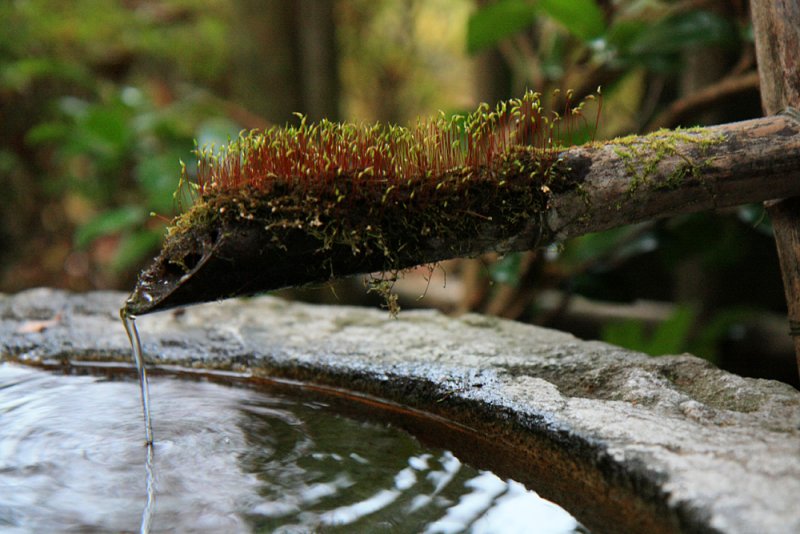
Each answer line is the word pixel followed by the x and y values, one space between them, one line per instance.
pixel 315 201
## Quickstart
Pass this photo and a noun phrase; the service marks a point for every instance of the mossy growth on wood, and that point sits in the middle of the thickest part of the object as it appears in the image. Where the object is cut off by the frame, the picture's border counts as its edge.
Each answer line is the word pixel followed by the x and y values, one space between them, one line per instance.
pixel 359 198
pixel 643 154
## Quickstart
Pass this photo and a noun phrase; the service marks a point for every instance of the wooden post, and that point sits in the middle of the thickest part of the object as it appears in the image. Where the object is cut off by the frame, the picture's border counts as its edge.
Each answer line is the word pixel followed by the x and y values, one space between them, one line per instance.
pixel 776 24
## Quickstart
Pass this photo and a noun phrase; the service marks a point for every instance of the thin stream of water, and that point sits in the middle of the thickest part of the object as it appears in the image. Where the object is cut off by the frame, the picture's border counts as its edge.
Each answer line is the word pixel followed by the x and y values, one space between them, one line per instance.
pixel 150 486
pixel 136 349
pixel 144 389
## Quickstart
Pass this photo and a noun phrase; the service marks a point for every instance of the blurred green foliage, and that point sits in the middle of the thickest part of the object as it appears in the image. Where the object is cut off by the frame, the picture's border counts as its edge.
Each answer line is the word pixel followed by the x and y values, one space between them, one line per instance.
pixel 682 331
pixel 669 337
pixel 649 34
pixel 72 39
pixel 499 20
pixel 80 82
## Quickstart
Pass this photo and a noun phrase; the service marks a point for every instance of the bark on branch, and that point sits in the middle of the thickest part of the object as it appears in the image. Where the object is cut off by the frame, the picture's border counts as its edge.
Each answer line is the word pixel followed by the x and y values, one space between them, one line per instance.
pixel 610 184
pixel 728 165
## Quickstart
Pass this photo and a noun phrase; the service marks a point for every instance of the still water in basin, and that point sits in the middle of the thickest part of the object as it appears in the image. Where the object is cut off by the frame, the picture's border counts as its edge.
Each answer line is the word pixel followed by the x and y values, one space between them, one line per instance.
pixel 231 459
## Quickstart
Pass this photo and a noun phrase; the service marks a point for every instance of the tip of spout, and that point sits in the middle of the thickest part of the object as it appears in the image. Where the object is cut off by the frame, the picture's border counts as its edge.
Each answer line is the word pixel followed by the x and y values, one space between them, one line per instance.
pixel 161 285
pixel 139 302
pixel 144 299
pixel 196 266
pixel 236 259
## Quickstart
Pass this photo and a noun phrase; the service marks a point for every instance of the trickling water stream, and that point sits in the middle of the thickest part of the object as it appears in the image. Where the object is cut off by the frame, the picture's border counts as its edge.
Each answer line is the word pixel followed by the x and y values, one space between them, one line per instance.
pixel 138 358
pixel 231 459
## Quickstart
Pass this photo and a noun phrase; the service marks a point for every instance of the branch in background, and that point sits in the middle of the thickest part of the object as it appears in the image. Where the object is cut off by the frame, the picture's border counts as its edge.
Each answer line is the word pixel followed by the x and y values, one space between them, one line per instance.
pixel 526 67
pixel 243 116
pixel 707 97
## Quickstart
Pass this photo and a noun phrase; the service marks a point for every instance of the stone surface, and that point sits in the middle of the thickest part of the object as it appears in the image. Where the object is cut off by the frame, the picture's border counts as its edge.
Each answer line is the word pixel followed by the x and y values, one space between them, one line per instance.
pixel 714 451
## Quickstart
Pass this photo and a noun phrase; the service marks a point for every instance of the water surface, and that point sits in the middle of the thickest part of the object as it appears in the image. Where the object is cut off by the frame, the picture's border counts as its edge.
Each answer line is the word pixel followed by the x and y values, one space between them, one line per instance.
pixel 231 459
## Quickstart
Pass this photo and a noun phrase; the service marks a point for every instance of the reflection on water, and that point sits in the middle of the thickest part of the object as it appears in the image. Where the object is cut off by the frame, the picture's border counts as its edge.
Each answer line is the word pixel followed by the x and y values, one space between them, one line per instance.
pixel 230 459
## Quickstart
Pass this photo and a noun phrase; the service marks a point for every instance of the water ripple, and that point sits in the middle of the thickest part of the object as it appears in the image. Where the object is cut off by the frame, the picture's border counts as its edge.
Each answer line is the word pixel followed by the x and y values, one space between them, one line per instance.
pixel 231 459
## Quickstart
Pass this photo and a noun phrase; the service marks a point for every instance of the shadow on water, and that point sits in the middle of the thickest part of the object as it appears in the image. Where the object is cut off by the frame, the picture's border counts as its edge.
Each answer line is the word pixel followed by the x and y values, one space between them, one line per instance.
pixel 231 459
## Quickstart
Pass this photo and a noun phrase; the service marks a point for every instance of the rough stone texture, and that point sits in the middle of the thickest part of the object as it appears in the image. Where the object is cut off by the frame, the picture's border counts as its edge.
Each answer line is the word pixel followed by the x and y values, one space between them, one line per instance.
pixel 720 452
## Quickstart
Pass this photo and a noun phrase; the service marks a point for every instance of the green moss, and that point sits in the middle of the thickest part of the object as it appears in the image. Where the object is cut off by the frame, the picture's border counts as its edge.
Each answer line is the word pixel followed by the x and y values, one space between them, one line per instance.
pixel 380 198
pixel 641 157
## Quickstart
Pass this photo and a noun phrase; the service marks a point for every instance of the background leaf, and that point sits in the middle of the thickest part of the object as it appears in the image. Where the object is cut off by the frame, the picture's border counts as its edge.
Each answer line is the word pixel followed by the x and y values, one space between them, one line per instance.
pixel 134 247
pixel 687 30
pixel 108 223
pixel 582 18
pixel 491 24
pixel 670 337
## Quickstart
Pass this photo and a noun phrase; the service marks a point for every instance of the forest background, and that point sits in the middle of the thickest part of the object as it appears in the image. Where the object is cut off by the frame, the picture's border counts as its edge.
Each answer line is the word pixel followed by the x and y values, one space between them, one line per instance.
pixel 100 100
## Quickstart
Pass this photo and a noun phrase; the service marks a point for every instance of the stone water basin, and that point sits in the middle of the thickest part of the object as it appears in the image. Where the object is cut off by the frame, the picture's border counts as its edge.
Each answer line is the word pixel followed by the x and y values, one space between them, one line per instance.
pixel 623 441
